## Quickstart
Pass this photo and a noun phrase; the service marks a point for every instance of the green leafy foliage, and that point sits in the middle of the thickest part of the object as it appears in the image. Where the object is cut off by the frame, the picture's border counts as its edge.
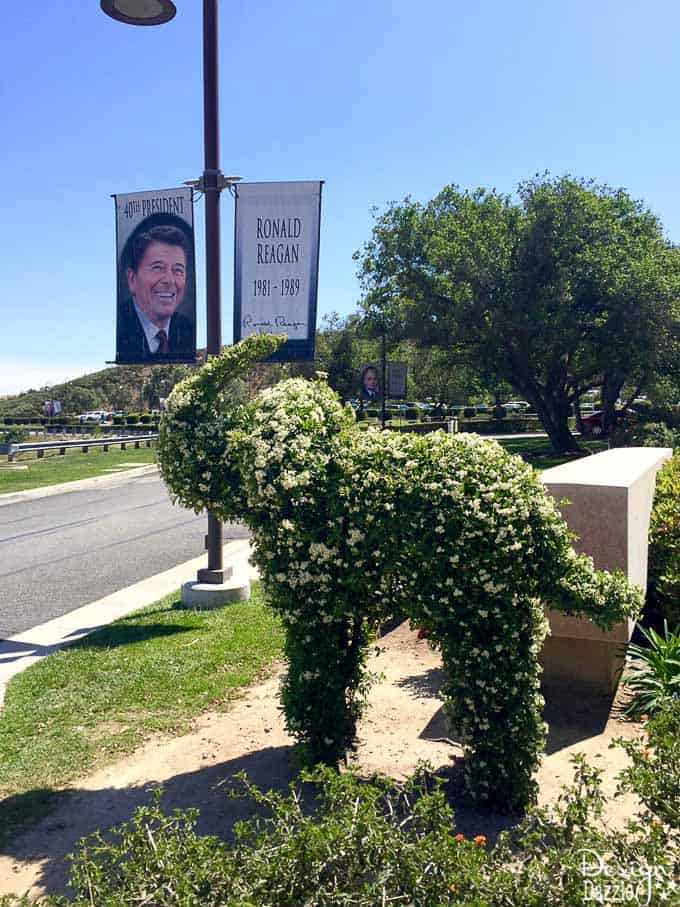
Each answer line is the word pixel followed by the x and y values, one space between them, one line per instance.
pixel 664 543
pixel 337 840
pixel 570 287
pixel 654 673
pixel 353 526
pixel 655 771
pixel 13 436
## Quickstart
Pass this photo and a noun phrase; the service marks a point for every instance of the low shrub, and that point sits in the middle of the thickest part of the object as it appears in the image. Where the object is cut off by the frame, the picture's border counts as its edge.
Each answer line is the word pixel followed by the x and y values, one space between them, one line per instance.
pixel 654 775
pixel 654 672
pixel 335 840
pixel 634 433
pixel 13 436
pixel 655 413
pixel 132 419
pixel 146 419
pixel 664 544
pixel 510 425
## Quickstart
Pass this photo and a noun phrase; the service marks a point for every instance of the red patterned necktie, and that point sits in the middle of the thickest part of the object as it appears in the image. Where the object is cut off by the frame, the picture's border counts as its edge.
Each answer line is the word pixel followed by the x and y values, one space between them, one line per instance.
pixel 162 339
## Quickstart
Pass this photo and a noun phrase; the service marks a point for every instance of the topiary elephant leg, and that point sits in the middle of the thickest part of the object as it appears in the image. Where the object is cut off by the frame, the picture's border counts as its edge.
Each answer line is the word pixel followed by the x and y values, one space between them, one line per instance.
pixel 494 703
pixel 323 694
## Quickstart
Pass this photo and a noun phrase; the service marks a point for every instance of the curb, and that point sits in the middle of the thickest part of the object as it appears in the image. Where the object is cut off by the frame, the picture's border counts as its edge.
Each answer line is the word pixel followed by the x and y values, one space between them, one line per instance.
pixel 21 651
pixel 31 494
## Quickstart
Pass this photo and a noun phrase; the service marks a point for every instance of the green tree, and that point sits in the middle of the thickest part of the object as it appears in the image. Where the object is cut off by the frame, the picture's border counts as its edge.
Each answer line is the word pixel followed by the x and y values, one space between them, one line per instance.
pixel 568 288
pixel 79 398
pixel 335 349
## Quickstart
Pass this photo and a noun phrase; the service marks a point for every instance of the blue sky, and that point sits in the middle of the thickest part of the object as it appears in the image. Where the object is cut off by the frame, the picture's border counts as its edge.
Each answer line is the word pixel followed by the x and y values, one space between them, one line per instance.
pixel 379 99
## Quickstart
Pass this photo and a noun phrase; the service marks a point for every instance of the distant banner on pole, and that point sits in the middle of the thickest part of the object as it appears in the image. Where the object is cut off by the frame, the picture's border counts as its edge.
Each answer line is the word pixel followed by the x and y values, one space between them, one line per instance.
pixel 52 408
pixel 396 380
pixel 156 277
pixel 276 264
pixel 369 383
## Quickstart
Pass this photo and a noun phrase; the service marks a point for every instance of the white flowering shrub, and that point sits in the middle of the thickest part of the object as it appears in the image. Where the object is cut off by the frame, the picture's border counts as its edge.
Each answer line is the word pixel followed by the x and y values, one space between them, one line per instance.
pixel 350 527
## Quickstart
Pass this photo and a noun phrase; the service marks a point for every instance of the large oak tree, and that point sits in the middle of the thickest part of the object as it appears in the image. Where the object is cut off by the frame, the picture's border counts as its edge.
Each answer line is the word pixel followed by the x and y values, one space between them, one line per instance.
pixel 568 287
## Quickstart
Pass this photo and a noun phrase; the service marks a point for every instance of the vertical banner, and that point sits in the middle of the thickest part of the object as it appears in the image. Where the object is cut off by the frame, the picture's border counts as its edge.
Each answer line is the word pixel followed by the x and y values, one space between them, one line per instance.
pixel 276 264
pixel 52 408
pixel 369 383
pixel 156 277
pixel 396 380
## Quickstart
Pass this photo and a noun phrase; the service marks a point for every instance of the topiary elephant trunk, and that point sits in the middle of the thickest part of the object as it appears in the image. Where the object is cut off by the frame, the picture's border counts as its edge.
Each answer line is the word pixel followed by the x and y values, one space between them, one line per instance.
pixel 351 527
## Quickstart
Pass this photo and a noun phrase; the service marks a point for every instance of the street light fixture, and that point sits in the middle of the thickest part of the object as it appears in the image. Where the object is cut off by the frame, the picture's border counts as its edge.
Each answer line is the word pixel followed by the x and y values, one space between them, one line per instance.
pixel 140 12
pixel 212 182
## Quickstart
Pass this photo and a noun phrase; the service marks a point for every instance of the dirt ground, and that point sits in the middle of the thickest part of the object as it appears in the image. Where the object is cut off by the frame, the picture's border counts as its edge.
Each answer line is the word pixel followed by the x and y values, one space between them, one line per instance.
pixel 404 725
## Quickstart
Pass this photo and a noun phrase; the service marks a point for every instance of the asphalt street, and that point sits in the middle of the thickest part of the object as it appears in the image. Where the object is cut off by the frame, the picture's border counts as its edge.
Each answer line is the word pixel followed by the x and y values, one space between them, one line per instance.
pixel 58 553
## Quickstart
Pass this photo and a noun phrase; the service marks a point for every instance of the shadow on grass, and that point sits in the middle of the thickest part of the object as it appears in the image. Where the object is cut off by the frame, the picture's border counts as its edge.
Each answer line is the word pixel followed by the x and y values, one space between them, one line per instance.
pixel 128 634
pixel 96 637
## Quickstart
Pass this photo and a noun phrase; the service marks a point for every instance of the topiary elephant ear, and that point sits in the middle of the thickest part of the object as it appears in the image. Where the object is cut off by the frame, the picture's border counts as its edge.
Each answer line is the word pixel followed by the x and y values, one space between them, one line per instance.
pixel 199 449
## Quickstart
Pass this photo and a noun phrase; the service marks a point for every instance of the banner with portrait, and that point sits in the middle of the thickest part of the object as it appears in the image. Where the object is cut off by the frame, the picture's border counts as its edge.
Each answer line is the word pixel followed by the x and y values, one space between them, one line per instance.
pixel 276 264
pixel 156 277
pixel 369 383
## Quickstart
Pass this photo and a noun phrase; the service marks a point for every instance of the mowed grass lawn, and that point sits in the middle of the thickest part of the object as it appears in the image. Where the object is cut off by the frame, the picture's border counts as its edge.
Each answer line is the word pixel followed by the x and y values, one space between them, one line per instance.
pixel 75 464
pixel 539 453
pixel 98 700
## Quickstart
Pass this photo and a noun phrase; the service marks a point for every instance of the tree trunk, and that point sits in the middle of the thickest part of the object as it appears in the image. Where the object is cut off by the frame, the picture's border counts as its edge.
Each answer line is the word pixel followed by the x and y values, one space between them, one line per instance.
pixel 553 411
pixel 611 388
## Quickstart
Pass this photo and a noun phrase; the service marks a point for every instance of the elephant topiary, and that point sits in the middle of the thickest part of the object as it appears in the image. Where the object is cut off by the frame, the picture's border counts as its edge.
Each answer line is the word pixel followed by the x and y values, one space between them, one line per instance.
pixel 351 527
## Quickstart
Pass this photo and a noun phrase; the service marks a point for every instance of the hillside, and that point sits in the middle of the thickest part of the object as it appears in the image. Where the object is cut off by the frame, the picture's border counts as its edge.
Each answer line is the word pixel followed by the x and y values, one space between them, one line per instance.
pixel 127 387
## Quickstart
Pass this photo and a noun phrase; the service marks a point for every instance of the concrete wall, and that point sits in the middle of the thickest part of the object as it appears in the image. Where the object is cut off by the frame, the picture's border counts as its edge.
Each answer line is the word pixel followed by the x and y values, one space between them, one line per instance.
pixel 609 499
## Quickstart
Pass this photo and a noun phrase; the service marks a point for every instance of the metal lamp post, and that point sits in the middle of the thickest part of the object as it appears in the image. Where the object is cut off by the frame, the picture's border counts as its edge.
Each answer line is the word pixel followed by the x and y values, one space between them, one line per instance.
pixel 156 12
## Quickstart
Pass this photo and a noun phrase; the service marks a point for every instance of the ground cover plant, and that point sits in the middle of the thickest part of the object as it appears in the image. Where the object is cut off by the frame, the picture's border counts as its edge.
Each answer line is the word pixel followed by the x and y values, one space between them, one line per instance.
pixel 97 700
pixel 336 840
pixel 70 467
pixel 350 527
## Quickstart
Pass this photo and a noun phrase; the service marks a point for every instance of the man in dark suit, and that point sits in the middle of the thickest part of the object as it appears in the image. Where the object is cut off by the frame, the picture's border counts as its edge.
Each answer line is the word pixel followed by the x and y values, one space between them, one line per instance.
pixel 149 328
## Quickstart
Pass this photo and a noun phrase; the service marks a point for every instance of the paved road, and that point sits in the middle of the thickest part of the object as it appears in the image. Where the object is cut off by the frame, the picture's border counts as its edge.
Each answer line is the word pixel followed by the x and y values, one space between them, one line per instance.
pixel 60 552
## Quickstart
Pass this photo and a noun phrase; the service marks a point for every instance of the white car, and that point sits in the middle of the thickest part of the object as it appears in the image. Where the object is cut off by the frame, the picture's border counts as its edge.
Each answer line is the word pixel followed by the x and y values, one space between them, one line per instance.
pixel 516 405
pixel 97 415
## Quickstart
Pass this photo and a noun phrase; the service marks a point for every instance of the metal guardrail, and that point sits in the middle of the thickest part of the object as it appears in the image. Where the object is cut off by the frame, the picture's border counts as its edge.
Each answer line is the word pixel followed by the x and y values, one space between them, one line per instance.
pixel 84 444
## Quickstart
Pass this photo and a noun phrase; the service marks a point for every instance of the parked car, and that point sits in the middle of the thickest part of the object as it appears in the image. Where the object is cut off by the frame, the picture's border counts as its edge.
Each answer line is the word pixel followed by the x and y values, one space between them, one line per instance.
pixel 97 415
pixel 516 405
pixel 593 423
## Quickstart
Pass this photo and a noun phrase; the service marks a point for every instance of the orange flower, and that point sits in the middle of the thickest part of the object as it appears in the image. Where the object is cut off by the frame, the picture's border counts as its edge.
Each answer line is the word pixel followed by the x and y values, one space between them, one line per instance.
pixel 480 839
pixel 459 837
